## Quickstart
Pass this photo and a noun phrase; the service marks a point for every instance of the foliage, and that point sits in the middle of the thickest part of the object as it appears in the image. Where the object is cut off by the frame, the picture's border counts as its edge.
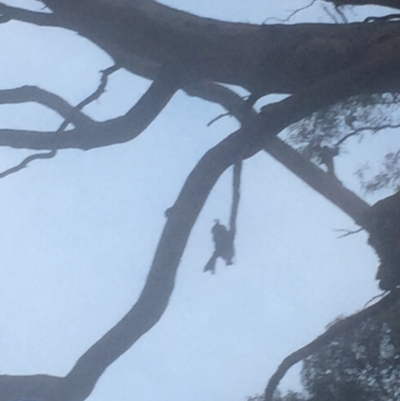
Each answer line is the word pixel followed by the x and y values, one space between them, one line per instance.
pixel 357 117
pixel 387 177
pixel 360 365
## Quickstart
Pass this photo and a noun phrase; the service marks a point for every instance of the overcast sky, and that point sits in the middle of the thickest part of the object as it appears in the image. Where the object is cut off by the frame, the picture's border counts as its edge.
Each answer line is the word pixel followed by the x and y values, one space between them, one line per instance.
pixel 79 232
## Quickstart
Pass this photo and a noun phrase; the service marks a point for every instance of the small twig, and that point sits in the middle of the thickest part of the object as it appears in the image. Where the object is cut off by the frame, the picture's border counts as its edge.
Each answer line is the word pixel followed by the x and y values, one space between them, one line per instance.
pixel 26 161
pixel 101 88
pixel 292 14
pixel 347 232
pixel 342 14
pixel 246 106
pixel 217 118
pixel 49 155
pixel 382 294
pixel 330 14
pixel 363 129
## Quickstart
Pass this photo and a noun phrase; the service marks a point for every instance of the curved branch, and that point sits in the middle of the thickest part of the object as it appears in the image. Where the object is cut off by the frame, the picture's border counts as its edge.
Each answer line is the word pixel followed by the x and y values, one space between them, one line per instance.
pixel 99 134
pixel 365 129
pixel 26 94
pixel 149 308
pixel 292 13
pixel 95 95
pixel 335 330
pixel 26 162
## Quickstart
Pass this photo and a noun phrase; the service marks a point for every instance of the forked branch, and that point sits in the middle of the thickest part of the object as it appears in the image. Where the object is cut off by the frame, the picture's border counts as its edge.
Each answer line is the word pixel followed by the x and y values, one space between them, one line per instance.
pixel 99 134
pixel 72 114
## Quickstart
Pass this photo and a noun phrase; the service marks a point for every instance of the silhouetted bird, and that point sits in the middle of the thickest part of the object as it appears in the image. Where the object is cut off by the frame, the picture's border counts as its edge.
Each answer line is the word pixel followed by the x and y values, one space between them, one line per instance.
pixel 223 243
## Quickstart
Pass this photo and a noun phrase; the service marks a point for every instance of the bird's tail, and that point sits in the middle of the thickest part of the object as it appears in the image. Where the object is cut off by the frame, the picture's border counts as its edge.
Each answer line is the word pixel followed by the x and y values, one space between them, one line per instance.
pixel 210 266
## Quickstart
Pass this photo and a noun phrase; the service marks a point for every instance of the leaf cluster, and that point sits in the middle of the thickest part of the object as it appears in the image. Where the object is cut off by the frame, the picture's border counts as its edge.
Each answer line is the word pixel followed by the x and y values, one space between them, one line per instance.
pixel 362 364
pixel 358 117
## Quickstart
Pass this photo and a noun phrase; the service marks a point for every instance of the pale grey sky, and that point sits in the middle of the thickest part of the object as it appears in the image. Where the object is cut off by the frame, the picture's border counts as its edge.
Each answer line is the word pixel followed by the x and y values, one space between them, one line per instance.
pixel 79 231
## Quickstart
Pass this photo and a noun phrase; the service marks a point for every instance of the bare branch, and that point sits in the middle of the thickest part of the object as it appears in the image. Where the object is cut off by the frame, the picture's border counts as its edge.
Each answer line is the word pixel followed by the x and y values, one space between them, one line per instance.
pixel 341 14
pixel 324 339
pixel 26 94
pixel 348 232
pixel 373 129
pixel 292 14
pixel 303 168
pixel 374 298
pixel 101 88
pixel 99 134
pixel 215 119
pixel 95 95
pixel 26 161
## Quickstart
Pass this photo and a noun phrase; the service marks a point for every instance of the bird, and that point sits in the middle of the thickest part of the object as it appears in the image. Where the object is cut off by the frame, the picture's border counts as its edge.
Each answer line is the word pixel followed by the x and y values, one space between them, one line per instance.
pixel 223 244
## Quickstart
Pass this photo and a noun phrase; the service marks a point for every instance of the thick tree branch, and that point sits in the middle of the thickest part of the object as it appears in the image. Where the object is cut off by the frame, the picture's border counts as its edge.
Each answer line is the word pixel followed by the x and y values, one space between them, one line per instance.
pixel 8 13
pixel 154 298
pixel 142 34
pixel 325 184
pixel 320 181
pixel 324 339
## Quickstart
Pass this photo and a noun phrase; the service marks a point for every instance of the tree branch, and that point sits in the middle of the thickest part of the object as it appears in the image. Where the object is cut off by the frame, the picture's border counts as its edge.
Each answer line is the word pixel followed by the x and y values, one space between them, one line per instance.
pixel 146 312
pixel 254 57
pixel 75 111
pixel 8 13
pixel 99 134
pixel 360 130
pixel 26 162
pixel 325 184
pixel 303 168
pixel 34 94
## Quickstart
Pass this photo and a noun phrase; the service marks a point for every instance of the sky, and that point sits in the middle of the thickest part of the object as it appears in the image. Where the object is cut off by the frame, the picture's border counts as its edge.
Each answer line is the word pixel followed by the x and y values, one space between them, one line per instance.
pixel 79 231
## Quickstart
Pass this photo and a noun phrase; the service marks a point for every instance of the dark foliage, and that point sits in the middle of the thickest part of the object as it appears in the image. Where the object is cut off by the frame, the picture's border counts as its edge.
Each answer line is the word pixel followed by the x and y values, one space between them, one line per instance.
pixel 360 365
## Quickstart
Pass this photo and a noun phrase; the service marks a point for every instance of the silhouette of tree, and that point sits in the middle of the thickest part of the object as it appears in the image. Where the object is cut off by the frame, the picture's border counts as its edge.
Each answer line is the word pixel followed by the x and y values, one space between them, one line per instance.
pixel 319 66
